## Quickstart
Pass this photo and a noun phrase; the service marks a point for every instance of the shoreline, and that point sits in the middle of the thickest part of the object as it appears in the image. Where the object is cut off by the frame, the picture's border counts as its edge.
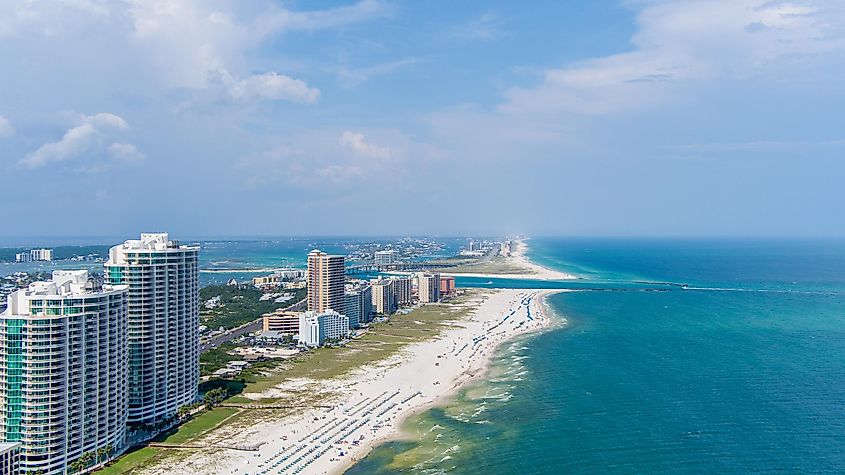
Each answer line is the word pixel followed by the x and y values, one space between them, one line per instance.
pixel 479 374
pixel 369 406
pixel 519 258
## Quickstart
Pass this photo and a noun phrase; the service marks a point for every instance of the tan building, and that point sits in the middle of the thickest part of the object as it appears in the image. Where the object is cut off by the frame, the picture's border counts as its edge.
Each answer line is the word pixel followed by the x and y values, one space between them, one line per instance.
pixel 428 287
pixel 326 278
pixel 268 281
pixel 384 296
pixel 284 322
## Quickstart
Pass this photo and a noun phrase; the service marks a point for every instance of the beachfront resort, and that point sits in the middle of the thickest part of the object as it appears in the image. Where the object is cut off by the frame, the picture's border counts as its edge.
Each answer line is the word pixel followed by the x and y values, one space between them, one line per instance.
pixel 365 345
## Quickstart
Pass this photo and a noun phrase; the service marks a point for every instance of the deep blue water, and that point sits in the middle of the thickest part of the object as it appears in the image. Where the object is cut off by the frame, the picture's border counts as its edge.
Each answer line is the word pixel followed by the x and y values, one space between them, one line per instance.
pixel 743 371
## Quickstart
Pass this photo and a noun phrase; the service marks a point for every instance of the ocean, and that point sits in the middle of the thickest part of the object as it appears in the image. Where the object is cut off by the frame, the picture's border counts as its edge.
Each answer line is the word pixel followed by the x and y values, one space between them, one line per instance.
pixel 676 356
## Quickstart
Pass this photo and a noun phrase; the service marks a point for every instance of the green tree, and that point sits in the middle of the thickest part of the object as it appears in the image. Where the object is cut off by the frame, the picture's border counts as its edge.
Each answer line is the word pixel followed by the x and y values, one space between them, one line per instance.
pixel 215 397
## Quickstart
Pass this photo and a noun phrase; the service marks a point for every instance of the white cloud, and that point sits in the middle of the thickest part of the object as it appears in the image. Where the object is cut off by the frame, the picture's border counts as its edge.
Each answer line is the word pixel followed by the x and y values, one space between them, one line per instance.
pixel 84 137
pixel 681 53
pixel 190 43
pixel 287 20
pixel 684 41
pixel 356 143
pixel 344 159
pixel 351 77
pixel 125 152
pixel 6 129
pixel 486 27
pixel 183 44
pixel 274 86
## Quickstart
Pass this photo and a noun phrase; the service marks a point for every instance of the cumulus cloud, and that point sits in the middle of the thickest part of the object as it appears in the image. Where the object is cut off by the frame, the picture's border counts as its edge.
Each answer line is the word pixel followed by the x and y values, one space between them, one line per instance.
pixel 87 135
pixel 356 143
pixel 191 41
pixel 6 129
pixel 125 152
pixel 274 86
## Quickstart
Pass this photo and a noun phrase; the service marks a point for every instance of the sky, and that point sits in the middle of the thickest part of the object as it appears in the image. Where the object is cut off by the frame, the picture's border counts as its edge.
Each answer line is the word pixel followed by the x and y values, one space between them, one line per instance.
pixel 383 117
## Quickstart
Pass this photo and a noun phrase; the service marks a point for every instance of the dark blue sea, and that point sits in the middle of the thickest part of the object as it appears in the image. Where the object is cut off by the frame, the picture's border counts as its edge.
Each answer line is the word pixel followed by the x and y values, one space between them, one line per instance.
pixel 675 356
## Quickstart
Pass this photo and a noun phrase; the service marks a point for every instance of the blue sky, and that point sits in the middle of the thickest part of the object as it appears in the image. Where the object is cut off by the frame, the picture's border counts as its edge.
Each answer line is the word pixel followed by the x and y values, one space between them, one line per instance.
pixel 686 117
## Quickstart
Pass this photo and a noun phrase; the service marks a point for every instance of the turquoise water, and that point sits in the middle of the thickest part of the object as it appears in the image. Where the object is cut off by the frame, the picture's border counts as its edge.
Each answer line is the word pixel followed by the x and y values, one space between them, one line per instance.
pixel 220 259
pixel 743 371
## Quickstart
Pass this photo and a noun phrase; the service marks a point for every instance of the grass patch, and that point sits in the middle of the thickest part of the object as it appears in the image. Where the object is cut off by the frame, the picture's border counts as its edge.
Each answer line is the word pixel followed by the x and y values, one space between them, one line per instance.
pixel 496 265
pixel 190 430
pixel 133 462
pixel 215 358
pixel 382 341
pixel 138 460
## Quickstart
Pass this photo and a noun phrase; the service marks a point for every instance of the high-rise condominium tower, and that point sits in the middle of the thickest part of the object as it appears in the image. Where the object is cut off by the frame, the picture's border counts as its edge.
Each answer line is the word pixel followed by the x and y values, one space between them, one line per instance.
pixel 163 323
pixel 384 296
pixel 326 277
pixel 63 370
pixel 428 287
pixel 402 289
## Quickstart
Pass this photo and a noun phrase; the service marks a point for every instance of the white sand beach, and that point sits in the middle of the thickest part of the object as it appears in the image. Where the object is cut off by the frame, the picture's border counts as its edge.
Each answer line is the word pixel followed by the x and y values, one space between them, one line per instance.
pixel 519 260
pixel 369 405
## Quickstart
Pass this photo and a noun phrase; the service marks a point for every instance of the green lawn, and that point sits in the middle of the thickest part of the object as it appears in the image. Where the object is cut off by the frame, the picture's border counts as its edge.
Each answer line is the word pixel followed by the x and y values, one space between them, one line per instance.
pixel 187 432
pixel 200 424
pixel 132 461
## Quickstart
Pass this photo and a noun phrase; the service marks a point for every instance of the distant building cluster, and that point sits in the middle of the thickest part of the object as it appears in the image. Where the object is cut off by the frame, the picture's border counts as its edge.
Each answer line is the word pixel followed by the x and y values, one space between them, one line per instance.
pixel 34 255
pixel 337 306
pixel 284 278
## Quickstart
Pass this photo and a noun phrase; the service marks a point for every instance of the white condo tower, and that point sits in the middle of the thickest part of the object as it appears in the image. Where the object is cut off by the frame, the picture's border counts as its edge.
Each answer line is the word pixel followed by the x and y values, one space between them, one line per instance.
pixel 63 363
pixel 163 315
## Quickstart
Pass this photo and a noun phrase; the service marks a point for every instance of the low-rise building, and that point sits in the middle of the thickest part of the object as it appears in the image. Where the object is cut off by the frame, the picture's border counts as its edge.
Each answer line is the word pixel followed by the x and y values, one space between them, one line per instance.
pixel 282 321
pixel 316 328
pixel 386 258
pixel 267 281
pixel 295 285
